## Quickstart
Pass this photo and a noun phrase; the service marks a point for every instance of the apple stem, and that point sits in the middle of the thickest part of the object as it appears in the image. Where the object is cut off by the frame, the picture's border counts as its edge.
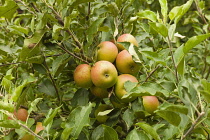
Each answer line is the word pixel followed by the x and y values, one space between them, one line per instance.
pixel 200 115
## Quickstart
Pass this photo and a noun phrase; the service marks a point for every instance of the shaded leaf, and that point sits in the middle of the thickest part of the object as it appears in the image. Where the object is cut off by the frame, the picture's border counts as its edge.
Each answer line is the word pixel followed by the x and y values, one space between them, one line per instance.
pixel 103 132
pixel 47 87
pixel 128 117
pixel 136 135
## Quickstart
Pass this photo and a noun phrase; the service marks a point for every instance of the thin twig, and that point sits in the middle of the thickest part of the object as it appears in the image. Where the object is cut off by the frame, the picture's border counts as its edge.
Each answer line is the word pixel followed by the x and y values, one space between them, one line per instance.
pixel 150 74
pixel 11 64
pixel 53 81
pixel 200 115
pixel 172 57
pixel 29 130
pixel 72 54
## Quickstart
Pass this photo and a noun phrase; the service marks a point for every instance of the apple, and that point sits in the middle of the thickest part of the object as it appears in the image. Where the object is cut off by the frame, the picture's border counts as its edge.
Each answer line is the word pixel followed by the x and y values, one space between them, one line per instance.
pixel 21 114
pixel 107 50
pixel 99 92
pixel 119 86
pixel 150 103
pixel 104 74
pixel 126 38
pixel 82 76
pixel 126 64
pixel 101 108
pixel 39 127
pixel 27 137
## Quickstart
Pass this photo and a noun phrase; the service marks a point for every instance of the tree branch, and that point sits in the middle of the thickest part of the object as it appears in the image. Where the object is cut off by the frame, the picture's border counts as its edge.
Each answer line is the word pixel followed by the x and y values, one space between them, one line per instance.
pixel 200 115
pixel 150 74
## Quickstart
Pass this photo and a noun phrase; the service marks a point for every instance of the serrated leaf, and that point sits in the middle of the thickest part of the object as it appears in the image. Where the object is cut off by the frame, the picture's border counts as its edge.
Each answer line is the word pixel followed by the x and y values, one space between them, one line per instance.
pixel 80 97
pixel 149 130
pixel 103 132
pixel 81 112
pixel 8 9
pixel 147 14
pixel 51 114
pixel 9 124
pixel 193 41
pixel 159 28
pixel 136 135
pixel 164 9
pixel 172 117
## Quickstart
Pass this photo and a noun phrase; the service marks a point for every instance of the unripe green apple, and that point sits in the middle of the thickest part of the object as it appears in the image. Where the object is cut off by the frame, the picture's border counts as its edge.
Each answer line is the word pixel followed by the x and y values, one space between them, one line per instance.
pixel 82 76
pixel 101 108
pixel 21 114
pixel 150 103
pixel 126 64
pixel 126 38
pixel 99 92
pixel 119 86
pixel 104 74
pixel 107 51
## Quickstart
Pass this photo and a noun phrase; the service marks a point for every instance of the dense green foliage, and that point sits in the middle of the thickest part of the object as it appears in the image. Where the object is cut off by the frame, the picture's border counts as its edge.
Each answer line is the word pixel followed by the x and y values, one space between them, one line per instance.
pixel 42 42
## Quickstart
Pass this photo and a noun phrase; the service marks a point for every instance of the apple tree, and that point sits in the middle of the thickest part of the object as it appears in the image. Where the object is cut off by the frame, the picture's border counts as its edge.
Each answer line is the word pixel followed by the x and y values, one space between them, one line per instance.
pixel 42 42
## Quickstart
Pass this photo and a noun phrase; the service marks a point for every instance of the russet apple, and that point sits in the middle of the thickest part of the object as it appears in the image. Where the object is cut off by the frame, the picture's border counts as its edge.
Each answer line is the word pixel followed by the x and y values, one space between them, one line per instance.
pixel 82 76
pixel 150 103
pixel 21 114
pixel 104 74
pixel 119 86
pixel 107 50
pixel 126 64
pixel 126 38
pixel 99 92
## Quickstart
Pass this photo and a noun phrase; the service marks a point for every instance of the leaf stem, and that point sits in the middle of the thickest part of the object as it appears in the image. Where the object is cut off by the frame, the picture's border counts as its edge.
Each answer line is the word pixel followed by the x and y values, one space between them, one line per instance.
pixel 200 115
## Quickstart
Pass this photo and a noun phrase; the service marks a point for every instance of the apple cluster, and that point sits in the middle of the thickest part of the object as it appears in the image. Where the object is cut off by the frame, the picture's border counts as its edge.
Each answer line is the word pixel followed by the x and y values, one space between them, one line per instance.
pixel 114 66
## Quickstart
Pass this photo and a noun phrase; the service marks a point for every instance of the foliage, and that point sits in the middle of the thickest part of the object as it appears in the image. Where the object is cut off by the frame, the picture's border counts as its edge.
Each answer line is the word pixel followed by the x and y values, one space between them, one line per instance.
pixel 42 42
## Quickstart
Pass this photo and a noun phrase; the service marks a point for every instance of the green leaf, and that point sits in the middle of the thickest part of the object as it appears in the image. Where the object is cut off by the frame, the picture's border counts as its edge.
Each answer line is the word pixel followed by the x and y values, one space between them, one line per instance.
pixel 47 87
pixel 159 28
pixel 164 9
pixel 113 9
pixel 181 67
pixel 170 116
pixel 149 130
pixel 93 29
pixel 59 63
pixel 136 135
pixel 33 105
pixel 147 14
pixel 66 133
pixel 30 47
pixel 8 9
pixel 179 55
pixel 208 60
pixel 177 12
pixel 206 90
pixel 174 108
pixel 9 124
pixel 154 56
pixel 103 132
pixel 80 97
pixel 79 118
pixel 51 114
pixel 193 41
pixel 128 117
pixel 74 3
pixel 6 106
